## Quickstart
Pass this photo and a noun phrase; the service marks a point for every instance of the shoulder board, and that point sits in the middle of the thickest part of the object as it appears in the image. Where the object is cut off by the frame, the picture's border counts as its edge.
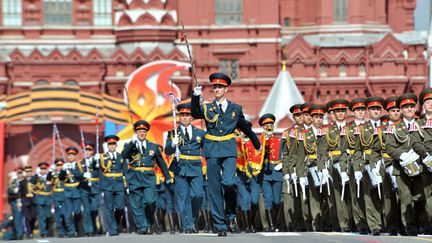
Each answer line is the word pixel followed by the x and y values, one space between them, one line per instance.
pixel 428 124
pixel 305 130
pixel 390 129
pixel 381 127
pixel 414 128
pixel 300 136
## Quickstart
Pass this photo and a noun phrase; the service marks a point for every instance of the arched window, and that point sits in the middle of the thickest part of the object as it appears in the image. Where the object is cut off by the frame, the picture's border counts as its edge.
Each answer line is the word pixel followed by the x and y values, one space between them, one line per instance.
pixel 362 70
pixel 323 70
pixel 71 83
pixel 340 10
pixel 41 82
pixel 342 70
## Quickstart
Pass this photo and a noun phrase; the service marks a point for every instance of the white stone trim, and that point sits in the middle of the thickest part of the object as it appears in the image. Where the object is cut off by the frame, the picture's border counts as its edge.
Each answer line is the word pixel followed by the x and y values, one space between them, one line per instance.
pixel 231 27
pixel 22 84
pixel 232 41
pixel 89 83
pixel 335 28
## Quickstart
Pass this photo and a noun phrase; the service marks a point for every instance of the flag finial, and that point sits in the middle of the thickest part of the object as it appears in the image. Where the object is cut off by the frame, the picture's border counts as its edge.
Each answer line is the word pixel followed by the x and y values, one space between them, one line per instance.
pixel 283 66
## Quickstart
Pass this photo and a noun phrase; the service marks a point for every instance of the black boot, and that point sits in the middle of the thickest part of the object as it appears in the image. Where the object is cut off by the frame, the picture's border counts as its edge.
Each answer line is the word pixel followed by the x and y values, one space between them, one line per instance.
pixel 252 218
pixel 179 223
pixel 78 225
pixel 94 215
pixel 233 225
pixel 206 221
pixel 118 215
pixel 171 222
pixel 270 220
pixel 277 210
pixel 246 221
pixel 158 229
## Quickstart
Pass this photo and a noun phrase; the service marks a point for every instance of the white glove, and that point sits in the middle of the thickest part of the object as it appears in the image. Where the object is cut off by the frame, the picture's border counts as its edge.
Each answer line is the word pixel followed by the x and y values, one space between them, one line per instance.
pixel 96 156
pixel 427 159
pixel 294 176
pixel 358 175
pixel 278 167
pixel 344 177
pixel 389 170
pixel 13 176
pixel 303 181
pixel 197 91
pixel 375 171
pixel 134 138
pixel 38 170
pixel 87 175
pixel 325 174
pixel 102 194
pixel 127 191
pixel 66 166
pixel 52 167
pixel 105 147
pixel 175 141
pixel 286 177
pixel 404 156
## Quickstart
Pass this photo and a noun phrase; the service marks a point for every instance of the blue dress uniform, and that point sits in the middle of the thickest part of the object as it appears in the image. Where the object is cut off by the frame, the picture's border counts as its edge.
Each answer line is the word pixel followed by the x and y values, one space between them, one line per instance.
pixel 89 189
pixel 271 176
pixel 43 198
pixel 14 201
pixel 61 215
pixel 220 151
pixel 140 176
pixel 72 194
pixel 112 184
pixel 187 170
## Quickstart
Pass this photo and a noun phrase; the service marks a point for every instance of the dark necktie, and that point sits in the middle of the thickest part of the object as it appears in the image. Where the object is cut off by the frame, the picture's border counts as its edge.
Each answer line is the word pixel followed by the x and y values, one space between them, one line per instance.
pixel 220 107
pixel 376 125
pixel 409 125
pixel 143 148
pixel 187 135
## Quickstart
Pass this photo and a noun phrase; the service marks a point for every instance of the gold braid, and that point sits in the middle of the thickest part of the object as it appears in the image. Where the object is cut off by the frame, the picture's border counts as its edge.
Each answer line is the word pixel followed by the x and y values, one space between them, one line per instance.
pixel 288 139
pixel 331 142
pixel 350 140
pixel 104 166
pixel 380 137
pixel 363 141
pixel 206 117
pixel 400 137
pixel 309 149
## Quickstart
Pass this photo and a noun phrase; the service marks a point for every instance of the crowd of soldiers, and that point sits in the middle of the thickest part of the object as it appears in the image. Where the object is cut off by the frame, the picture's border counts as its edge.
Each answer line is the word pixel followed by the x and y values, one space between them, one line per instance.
pixel 369 176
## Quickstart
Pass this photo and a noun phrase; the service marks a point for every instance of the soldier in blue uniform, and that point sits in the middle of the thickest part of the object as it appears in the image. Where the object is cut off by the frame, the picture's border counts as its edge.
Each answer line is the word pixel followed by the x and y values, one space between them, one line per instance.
pixel 43 197
pixel 27 200
pixel 141 155
pixel 63 222
pixel 89 188
pixel 187 167
pixel 14 201
pixel 71 192
pixel 112 184
pixel 222 117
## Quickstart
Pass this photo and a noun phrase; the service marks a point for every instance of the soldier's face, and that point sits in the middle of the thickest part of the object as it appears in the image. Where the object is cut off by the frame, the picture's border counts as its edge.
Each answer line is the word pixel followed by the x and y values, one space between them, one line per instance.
pixel 185 119
pixel 298 118
pixel 394 114
pixel 317 120
pixel 219 90
pixel 71 157
pixel 269 127
pixel 340 114
pixel 359 113
pixel 374 112
pixel 89 152
pixel 307 119
pixel 44 171
pixel 141 134
pixel 112 147
pixel 408 111
pixel 427 106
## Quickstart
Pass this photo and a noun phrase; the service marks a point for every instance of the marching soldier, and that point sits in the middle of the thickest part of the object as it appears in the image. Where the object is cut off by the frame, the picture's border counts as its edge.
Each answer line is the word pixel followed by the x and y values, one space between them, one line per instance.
pixel 43 198
pixel 112 183
pixel 249 165
pixel 391 209
pixel 292 204
pixel 422 145
pixel 60 213
pixel 352 154
pixel 89 188
pixel 405 163
pixel 27 199
pixel 370 137
pixel 186 145
pixel 222 117
pixel 271 174
pixel 141 156
pixel 14 201
pixel 337 168
pixel 71 192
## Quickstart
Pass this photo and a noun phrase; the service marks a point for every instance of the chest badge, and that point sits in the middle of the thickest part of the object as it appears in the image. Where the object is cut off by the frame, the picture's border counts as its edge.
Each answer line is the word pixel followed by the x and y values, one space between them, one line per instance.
pixel 198 138
pixel 233 114
pixel 151 152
